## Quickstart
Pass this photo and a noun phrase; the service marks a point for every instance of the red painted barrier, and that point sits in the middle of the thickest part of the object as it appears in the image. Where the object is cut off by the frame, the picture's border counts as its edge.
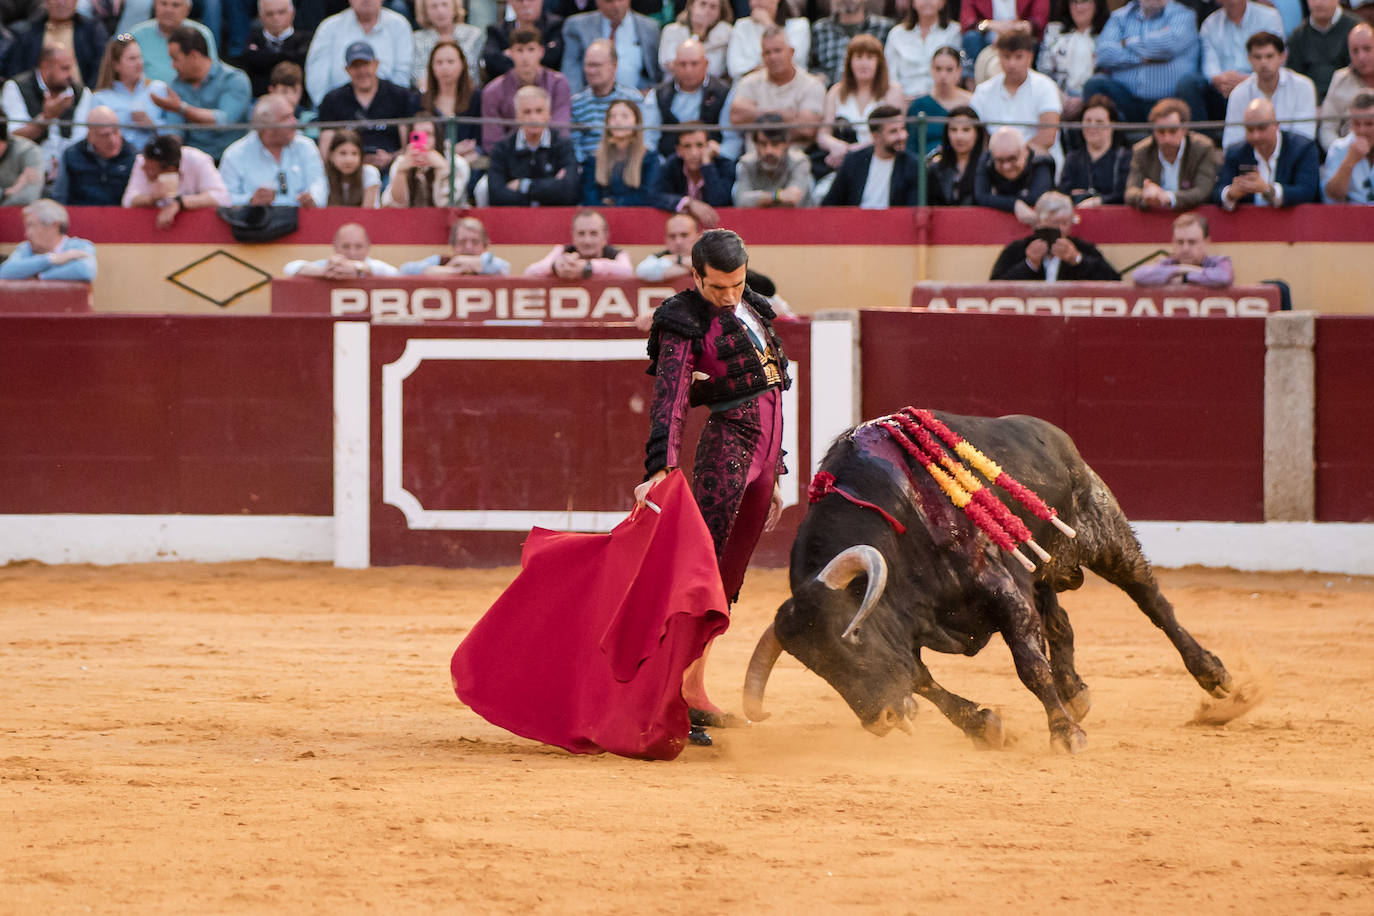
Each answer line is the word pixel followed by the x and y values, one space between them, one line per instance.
pixel 1170 413
pixel 1345 419
pixel 44 297
pixel 153 415
pixel 1095 300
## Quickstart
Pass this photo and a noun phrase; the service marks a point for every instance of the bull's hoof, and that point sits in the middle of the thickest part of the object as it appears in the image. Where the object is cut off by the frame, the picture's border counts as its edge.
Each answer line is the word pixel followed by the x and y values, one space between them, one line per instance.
pixel 1079 704
pixel 991 736
pixel 1070 740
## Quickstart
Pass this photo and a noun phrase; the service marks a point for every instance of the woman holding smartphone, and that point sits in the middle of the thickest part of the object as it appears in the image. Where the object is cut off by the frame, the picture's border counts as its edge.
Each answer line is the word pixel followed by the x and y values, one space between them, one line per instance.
pixel 420 174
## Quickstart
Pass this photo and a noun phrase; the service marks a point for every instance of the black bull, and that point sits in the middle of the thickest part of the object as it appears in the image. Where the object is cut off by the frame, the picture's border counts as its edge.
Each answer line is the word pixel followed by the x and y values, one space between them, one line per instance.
pixel 943 585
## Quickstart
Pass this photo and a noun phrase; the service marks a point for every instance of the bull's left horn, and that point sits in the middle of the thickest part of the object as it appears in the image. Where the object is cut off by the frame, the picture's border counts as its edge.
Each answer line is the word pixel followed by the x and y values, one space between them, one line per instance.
pixel 839 572
pixel 756 677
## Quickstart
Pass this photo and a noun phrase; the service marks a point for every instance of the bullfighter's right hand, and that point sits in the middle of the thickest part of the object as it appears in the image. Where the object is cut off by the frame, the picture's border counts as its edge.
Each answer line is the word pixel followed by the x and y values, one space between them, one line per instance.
pixel 642 491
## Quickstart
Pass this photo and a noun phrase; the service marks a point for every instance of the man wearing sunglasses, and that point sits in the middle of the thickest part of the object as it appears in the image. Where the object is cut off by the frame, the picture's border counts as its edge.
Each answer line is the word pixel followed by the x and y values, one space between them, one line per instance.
pixel 274 165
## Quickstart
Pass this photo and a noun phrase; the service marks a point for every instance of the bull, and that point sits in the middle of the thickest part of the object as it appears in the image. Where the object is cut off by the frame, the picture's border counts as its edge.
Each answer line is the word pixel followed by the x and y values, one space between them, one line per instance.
pixel 896 568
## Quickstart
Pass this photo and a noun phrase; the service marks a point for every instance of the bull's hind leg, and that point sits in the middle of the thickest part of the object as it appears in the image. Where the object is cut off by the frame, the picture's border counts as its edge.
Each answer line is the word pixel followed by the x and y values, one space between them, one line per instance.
pixel 1024 635
pixel 1059 635
pixel 981 724
pixel 1121 562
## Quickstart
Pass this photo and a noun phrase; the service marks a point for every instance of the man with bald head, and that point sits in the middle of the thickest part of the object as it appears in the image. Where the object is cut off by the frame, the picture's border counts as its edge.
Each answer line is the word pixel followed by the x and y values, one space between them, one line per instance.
pixel 1010 176
pixel 48 105
pixel 599 66
pixel 1270 167
pixel 1347 83
pixel 352 259
pixel 689 95
pixel 95 171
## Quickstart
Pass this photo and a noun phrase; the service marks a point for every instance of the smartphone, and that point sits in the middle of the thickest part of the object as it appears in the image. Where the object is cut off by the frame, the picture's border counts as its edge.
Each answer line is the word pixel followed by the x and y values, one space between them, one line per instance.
pixel 419 141
pixel 1048 234
pixel 1248 167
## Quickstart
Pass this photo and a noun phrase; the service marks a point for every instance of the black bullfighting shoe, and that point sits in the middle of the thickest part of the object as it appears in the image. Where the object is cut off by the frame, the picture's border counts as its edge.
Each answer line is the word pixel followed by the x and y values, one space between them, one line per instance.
pixel 697 735
pixel 704 719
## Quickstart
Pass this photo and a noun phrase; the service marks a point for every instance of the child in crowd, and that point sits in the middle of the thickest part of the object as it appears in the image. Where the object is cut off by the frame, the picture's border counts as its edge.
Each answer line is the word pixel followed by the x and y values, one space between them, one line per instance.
pixel 420 174
pixel 352 182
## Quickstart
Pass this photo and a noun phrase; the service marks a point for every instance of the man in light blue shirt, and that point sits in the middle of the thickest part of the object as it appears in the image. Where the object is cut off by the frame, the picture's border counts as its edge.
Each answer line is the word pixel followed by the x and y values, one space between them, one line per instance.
pixel 152 36
pixel 1145 48
pixel 1348 175
pixel 274 165
pixel 386 32
pixel 1225 63
pixel 47 252
pixel 469 255
pixel 590 104
pixel 205 93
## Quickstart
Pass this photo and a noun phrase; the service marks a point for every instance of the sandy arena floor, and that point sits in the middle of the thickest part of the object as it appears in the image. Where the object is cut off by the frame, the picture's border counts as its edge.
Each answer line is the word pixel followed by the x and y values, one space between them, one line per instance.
pixel 268 737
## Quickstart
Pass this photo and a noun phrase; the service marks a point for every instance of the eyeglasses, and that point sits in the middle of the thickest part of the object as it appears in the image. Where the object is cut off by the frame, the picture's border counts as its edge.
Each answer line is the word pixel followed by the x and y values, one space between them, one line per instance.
pixel 281 183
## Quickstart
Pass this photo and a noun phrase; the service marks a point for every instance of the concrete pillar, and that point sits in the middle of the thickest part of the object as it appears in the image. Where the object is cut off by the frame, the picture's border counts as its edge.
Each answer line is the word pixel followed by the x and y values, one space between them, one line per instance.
pixel 1290 400
pixel 836 371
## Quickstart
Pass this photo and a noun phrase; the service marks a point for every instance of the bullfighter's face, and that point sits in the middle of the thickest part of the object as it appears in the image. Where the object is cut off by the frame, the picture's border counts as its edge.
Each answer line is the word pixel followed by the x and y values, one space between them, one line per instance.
pixel 723 289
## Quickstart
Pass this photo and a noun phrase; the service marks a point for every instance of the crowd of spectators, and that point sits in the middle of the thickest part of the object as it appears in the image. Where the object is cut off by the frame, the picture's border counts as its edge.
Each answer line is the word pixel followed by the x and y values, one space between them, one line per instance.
pixel 685 105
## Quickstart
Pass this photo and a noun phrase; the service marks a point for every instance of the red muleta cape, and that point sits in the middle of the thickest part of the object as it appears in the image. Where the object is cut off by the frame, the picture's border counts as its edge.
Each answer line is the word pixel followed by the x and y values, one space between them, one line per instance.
pixel 586 648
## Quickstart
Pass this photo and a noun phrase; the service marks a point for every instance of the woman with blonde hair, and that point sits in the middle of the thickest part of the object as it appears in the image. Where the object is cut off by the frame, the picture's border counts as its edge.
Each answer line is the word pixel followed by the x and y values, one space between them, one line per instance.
pixel 121 86
pixel 624 168
pixel 450 93
pixel 444 20
pixel 709 22
pixel 864 86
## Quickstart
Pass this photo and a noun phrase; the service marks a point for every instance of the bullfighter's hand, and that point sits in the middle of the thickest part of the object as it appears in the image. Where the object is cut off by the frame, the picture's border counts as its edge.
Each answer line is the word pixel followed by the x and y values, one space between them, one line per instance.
pixel 774 508
pixel 642 491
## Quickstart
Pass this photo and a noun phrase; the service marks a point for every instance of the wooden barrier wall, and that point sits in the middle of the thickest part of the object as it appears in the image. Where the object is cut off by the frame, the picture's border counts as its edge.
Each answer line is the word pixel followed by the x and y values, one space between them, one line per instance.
pixel 821 258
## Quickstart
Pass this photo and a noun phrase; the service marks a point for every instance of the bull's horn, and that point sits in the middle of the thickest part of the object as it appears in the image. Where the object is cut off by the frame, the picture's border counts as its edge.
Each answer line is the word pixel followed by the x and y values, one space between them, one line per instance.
pixel 756 677
pixel 839 572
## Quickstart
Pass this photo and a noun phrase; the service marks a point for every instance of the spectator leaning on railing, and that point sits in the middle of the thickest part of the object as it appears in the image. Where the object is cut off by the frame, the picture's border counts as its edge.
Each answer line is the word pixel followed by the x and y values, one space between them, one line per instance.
pixel 351 259
pixel 47 252
pixel 590 254
pixel 173 178
pixel 469 255
pixel 1190 262
pixel 1010 176
pixel 1050 253
pixel 1270 167
pixel 95 171
pixel 1173 168
pixel 274 165
pixel 679 234
pixel 1346 179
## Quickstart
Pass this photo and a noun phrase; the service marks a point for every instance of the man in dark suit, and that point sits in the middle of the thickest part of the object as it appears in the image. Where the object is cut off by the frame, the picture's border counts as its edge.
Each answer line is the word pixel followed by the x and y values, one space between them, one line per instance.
pixel 636 50
pixel 693 180
pixel 276 40
pixel 528 14
pixel 879 176
pixel 1049 252
pixel 689 94
pixel 1173 168
pixel 1270 167
pixel 87 41
pixel 534 165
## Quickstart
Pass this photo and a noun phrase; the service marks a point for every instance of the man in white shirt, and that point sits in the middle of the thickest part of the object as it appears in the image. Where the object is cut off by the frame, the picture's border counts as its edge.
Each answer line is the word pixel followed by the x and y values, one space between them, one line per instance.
pixel 1349 169
pixel 350 260
pixel 1019 97
pixel 48 105
pixel 1224 61
pixel 1293 95
pixel 365 20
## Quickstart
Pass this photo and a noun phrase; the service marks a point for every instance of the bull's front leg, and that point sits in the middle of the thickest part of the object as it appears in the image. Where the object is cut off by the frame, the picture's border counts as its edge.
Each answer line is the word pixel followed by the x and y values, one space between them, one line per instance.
pixel 980 723
pixel 1020 627
pixel 1059 635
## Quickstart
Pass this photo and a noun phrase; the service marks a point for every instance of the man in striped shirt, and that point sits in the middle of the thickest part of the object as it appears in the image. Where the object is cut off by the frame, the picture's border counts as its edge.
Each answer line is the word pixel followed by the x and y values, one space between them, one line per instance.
pixel 1145 48
pixel 589 105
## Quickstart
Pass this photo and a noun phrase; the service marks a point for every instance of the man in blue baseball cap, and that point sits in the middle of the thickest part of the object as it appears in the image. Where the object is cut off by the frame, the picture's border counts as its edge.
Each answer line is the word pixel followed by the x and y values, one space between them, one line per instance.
pixel 367 97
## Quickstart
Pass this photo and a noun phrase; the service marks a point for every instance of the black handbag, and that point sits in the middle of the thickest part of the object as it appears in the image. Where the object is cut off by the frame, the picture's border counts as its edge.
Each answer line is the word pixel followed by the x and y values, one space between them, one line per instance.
pixel 251 223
